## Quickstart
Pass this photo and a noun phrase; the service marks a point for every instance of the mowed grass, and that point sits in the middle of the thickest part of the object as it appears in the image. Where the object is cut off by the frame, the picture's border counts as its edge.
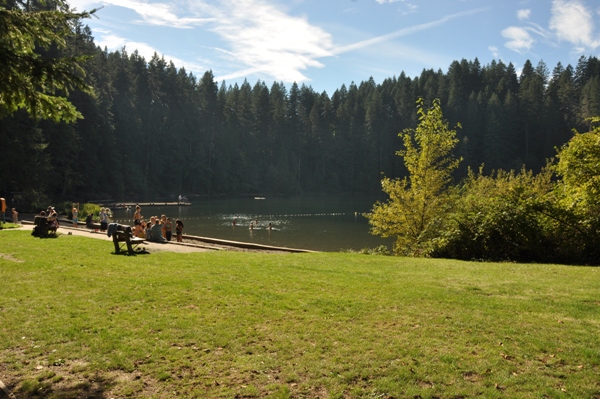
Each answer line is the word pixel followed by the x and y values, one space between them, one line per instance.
pixel 78 321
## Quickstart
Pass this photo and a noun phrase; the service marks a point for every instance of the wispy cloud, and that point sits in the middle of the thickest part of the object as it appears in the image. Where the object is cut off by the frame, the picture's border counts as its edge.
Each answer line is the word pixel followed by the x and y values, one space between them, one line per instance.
pixel 407 8
pixel 112 41
pixel 403 32
pixel 572 22
pixel 519 39
pixel 494 51
pixel 263 38
pixel 159 14
pixel 257 37
pixel 523 14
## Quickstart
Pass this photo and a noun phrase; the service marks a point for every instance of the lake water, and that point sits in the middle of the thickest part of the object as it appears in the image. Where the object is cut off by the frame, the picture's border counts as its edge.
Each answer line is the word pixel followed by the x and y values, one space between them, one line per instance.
pixel 326 224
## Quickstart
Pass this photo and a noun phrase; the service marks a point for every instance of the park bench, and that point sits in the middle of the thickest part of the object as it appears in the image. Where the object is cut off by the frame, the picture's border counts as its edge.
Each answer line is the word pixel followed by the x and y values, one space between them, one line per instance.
pixel 41 227
pixel 123 237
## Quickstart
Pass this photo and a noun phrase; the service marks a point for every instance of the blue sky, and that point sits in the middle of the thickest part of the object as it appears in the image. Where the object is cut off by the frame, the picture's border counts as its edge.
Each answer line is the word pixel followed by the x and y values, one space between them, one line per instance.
pixel 327 43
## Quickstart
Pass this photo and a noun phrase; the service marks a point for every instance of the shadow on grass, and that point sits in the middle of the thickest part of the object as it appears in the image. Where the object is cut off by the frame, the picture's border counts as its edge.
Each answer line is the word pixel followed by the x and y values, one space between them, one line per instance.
pixel 136 253
pixel 95 387
pixel 48 236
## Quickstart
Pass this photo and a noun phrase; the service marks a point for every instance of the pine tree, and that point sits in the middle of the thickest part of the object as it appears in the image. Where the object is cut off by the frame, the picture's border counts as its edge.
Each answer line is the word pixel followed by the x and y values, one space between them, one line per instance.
pixel 34 74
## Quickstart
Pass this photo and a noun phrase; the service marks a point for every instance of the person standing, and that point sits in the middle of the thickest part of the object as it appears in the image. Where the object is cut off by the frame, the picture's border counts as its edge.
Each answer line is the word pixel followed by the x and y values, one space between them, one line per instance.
pixel 163 226
pixel 179 230
pixel 137 221
pixel 168 233
pixel 104 219
pixel 75 214
pixel 3 209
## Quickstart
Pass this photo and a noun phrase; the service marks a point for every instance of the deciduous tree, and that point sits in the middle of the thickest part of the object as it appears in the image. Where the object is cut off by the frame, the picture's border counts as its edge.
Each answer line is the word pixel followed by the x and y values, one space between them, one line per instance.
pixel 417 201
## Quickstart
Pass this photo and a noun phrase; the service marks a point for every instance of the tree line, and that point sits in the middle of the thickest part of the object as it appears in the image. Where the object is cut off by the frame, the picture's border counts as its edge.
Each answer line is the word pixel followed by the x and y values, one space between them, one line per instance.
pixel 151 129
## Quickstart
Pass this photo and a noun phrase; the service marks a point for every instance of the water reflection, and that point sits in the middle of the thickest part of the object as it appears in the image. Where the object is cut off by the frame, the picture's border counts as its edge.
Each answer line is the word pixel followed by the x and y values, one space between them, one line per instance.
pixel 323 223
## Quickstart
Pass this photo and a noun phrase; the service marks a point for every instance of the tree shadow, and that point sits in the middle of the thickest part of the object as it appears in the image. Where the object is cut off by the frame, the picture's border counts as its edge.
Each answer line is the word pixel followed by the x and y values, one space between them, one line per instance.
pixel 94 387
pixel 142 251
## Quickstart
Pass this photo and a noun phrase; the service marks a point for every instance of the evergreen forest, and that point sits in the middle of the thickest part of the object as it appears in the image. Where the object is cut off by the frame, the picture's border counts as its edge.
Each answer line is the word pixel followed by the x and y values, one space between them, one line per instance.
pixel 152 130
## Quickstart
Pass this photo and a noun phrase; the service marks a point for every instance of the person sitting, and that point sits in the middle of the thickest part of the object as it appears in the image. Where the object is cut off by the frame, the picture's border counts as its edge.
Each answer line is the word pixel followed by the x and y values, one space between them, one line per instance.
pixel 52 220
pixel 156 232
pixel 148 231
pixel 41 225
pixel 89 220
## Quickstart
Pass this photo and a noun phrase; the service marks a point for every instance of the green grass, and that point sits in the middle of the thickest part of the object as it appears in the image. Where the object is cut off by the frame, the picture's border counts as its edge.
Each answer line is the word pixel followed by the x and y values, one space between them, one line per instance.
pixel 78 321
pixel 8 225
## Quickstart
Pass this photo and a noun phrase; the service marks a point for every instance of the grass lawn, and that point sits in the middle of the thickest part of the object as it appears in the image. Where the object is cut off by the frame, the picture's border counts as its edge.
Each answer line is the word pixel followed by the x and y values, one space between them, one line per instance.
pixel 77 321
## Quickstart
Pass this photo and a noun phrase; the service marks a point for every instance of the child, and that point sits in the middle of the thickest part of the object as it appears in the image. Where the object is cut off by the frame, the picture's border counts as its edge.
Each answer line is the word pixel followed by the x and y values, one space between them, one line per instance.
pixel 148 230
pixel 75 214
pixel 179 230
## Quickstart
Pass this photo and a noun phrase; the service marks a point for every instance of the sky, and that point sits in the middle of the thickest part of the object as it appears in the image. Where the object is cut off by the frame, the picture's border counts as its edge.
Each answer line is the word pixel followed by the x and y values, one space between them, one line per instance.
pixel 329 43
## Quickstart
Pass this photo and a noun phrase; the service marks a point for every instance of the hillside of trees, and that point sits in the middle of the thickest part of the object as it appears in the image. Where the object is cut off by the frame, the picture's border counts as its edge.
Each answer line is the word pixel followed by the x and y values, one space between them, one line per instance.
pixel 153 130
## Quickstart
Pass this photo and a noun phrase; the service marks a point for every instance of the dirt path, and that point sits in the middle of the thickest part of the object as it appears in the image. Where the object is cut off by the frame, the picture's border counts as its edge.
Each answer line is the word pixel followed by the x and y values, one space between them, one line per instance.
pixel 68 231
pixel 190 244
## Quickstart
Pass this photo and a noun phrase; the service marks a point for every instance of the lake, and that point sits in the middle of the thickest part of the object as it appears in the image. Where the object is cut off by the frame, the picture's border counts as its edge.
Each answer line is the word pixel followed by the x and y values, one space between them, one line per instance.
pixel 321 223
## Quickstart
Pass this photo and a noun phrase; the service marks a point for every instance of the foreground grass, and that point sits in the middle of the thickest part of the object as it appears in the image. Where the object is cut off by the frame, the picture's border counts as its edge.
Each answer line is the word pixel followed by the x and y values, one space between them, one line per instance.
pixel 78 321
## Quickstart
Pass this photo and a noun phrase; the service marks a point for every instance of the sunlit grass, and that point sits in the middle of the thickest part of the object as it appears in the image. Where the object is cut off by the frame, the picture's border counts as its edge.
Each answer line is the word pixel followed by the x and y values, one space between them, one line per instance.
pixel 78 319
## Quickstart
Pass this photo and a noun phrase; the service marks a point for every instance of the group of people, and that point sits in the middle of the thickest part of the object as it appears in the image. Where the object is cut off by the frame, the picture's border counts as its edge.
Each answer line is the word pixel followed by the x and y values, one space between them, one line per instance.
pixel 104 216
pixel 52 218
pixel 3 209
pixel 158 229
pixel 255 224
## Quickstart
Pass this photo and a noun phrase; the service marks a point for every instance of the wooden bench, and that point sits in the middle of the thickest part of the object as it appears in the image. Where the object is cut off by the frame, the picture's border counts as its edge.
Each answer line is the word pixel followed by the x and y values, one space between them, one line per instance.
pixel 123 236
pixel 42 227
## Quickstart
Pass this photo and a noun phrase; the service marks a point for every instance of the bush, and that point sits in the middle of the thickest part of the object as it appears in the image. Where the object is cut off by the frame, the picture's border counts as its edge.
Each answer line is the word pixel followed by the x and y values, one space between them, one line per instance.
pixel 86 209
pixel 495 219
pixel 380 250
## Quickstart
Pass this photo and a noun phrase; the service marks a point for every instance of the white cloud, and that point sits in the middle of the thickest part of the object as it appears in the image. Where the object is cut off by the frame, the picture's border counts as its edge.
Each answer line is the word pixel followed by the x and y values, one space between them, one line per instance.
pixel 571 21
pixel 494 51
pixel 407 8
pixel 523 14
pixel 114 42
pixel 265 39
pixel 402 32
pixel 519 39
pixel 256 37
pixel 84 5
pixel 160 14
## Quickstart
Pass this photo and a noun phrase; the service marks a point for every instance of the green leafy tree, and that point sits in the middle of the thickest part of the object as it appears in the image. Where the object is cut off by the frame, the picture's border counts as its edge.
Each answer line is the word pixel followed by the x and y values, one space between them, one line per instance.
pixel 579 167
pixel 416 202
pixel 500 217
pixel 578 192
pixel 32 76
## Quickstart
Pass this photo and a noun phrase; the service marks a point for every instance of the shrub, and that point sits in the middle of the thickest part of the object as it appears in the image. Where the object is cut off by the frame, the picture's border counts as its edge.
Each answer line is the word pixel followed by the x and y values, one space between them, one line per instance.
pixel 497 218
